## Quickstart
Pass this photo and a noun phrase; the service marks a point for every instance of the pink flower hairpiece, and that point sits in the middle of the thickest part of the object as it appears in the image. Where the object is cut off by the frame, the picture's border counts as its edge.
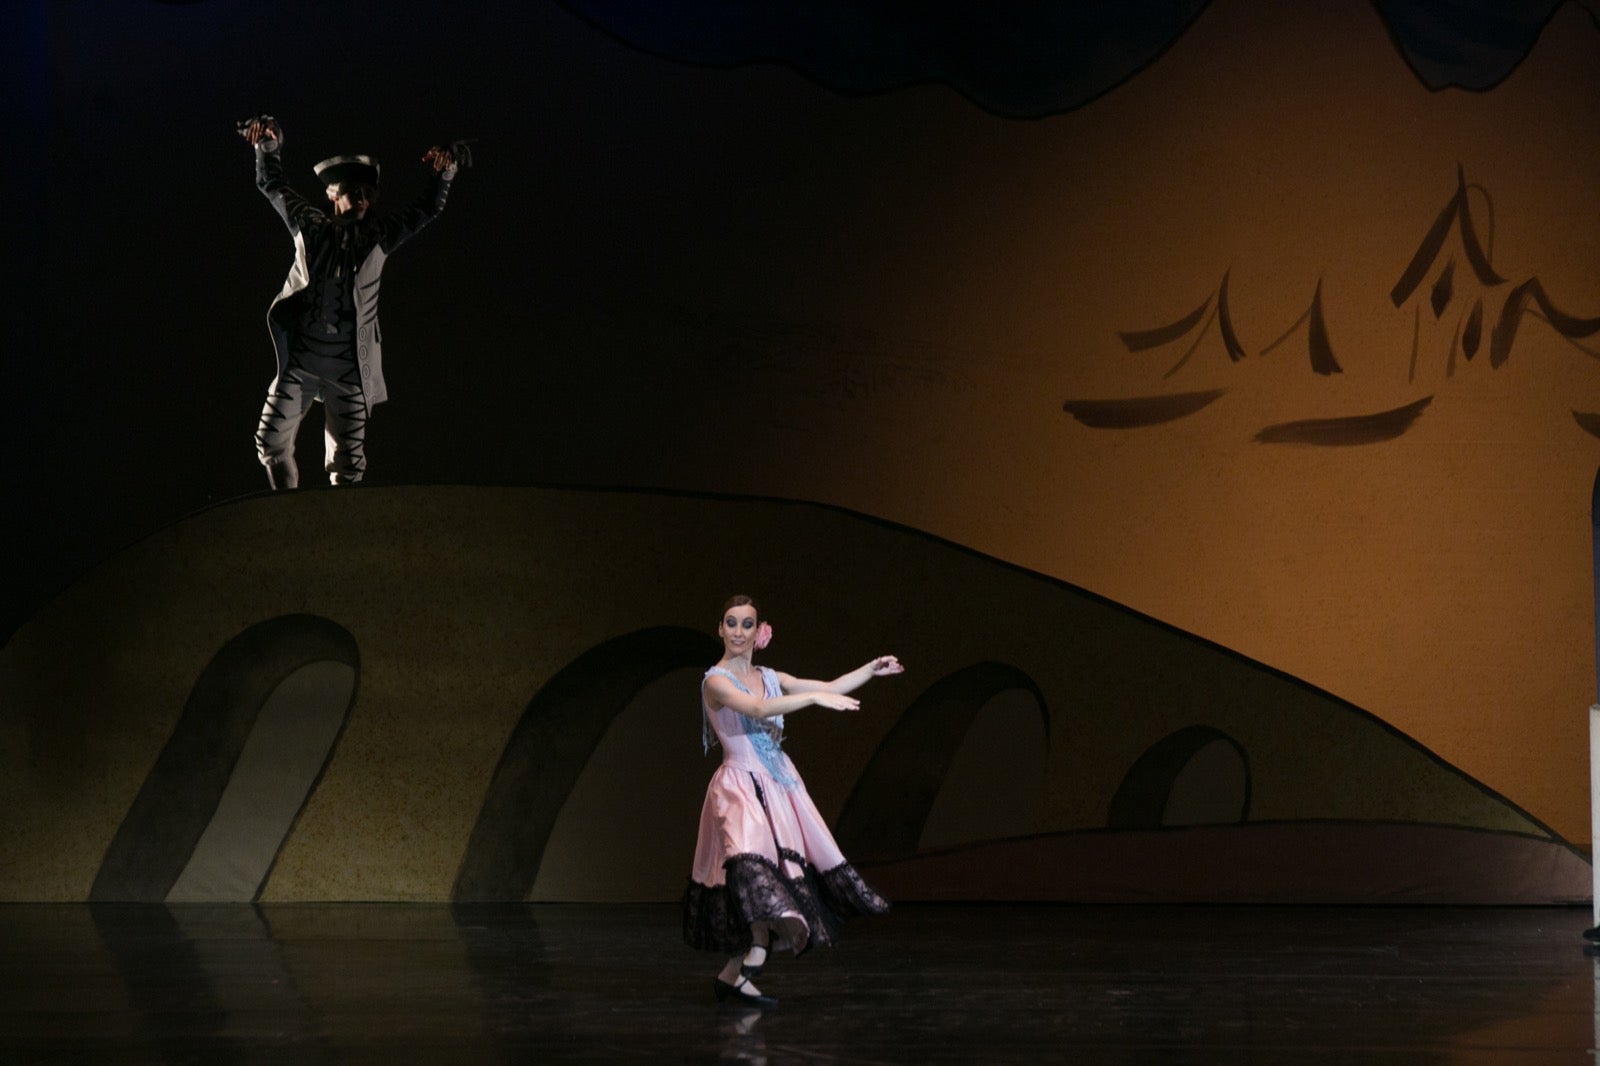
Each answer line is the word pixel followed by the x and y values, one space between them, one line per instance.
pixel 763 635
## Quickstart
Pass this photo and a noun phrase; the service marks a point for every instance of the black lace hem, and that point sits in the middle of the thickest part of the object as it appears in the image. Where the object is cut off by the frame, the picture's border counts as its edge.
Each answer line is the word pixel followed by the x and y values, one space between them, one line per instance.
pixel 755 890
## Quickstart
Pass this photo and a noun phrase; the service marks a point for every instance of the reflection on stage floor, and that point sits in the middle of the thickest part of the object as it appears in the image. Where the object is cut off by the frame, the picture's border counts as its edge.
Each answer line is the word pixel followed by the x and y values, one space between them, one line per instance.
pixel 951 983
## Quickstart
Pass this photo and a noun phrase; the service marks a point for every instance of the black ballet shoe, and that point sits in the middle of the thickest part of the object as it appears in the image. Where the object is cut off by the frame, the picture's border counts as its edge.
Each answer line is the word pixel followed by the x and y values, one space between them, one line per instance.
pixel 753 971
pixel 735 992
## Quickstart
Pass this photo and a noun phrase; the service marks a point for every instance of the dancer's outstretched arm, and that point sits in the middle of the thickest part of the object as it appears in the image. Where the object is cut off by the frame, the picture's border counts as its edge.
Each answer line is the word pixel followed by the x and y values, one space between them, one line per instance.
pixel 882 666
pixel 722 692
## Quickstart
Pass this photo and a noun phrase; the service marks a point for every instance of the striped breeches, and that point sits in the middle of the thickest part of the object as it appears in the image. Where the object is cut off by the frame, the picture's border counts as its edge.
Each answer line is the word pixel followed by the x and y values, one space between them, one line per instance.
pixel 344 417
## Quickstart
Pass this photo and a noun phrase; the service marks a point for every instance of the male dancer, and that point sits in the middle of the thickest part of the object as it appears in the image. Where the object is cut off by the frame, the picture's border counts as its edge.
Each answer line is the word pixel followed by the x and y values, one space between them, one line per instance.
pixel 324 322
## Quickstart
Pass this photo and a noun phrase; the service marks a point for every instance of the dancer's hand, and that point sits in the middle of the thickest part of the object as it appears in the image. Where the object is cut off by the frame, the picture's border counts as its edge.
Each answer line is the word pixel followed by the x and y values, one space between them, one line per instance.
pixel 442 161
pixel 884 665
pixel 835 702
pixel 263 130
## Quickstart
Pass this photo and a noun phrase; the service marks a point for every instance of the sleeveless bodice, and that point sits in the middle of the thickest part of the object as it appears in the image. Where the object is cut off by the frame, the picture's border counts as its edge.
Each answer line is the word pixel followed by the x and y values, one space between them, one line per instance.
pixel 748 743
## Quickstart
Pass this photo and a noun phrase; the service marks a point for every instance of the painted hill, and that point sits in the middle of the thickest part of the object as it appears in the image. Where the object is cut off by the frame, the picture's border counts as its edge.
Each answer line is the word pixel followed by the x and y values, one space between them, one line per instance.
pixel 444 692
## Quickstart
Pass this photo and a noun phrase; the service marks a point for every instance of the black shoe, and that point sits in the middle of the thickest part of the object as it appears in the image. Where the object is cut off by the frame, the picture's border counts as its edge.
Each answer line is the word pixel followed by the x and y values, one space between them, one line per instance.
pixel 1592 934
pixel 735 993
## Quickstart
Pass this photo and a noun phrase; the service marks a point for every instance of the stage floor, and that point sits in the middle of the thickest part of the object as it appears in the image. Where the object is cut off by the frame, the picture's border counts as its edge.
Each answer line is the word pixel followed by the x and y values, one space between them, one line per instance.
pixel 315 983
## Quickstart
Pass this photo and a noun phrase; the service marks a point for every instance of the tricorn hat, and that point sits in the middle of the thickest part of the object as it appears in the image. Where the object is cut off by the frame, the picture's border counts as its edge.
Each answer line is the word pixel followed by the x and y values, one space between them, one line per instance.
pixel 362 169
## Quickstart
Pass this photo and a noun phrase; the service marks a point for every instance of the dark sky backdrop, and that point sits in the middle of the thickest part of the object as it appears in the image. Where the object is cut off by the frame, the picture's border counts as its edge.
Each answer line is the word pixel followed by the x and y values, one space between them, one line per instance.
pixel 143 259
pixel 160 258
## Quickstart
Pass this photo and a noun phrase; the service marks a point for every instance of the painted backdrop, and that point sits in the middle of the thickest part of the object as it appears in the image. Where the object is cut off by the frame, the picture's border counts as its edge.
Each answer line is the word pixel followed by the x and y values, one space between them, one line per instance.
pixel 1275 325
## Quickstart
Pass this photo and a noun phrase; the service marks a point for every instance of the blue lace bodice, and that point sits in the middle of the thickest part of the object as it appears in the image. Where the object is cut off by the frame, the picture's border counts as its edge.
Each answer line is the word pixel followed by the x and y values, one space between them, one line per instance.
pixel 764 735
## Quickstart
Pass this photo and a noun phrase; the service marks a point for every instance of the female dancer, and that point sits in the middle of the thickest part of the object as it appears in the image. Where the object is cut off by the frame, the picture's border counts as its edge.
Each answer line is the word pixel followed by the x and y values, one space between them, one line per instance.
pixel 767 873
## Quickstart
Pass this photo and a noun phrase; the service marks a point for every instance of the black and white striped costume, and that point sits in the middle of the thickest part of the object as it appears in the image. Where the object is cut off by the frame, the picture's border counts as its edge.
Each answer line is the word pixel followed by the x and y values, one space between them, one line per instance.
pixel 324 322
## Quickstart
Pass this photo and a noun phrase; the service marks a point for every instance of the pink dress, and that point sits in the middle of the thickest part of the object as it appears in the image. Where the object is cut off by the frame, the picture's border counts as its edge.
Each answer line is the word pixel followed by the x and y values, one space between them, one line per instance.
pixel 764 853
